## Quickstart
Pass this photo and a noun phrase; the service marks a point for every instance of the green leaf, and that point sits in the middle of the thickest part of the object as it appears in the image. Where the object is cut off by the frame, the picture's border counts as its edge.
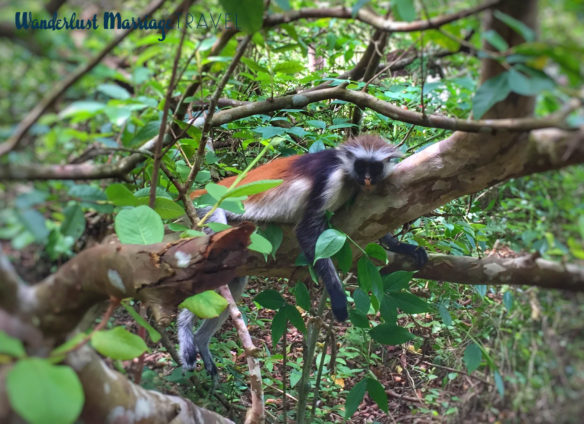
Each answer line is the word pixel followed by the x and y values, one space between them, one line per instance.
pixel 259 244
pixel 83 109
pixel 389 334
pixel 216 191
pixel 120 195
pixel 35 223
pixel 274 234
pixel 508 300
pixel 358 318
pixel 114 91
pixel 375 251
pixel 517 26
pixel 492 91
pixel 404 9
pixel 369 277
pixel 11 346
pixel 495 40
pixel 253 188
pixel 217 226
pixel 74 223
pixel 284 5
pixel 445 315
pixel 344 257
pixel 410 303
pixel 167 208
pixel 278 326
pixel 139 225
pixel 357 7
pixel 295 318
pixel 208 304
pixel 397 281
pixel 329 242
pixel 519 83
pixel 354 398
pixel 43 393
pixel 302 296
pixel 118 343
pixel 472 357
pixel 317 146
pixel 377 393
pixel 248 16
pixel 388 309
pixel 499 383
pixel 270 299
pixel 291 67
pixel 362 300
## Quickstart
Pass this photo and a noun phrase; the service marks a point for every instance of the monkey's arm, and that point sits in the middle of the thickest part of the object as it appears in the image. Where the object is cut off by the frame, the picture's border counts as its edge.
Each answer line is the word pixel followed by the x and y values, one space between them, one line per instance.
pixel 309 228
pixel 417 253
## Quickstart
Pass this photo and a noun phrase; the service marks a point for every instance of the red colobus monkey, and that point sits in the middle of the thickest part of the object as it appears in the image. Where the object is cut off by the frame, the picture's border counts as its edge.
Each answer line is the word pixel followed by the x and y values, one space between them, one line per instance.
pixel 312 184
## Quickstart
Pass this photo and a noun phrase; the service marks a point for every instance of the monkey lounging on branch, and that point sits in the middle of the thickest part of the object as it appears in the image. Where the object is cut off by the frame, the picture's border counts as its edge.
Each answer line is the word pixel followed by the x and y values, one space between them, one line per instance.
pixel 312 184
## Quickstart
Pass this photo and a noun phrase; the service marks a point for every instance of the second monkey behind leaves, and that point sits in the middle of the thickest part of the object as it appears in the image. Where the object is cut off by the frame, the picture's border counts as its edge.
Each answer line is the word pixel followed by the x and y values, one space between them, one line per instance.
pixel 312 184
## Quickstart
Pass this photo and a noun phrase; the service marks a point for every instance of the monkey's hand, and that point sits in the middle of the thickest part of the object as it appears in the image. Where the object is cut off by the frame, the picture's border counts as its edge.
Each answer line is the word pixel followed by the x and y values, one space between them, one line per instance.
pixel 417 253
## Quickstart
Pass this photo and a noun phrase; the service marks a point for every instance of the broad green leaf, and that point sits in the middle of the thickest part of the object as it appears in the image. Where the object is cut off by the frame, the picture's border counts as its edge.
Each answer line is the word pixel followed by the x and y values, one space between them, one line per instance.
pixel 139 225
pixel 317 146
pixel 295 318
pixel 362 300
pixel 344 257
pixel 302 296
pixel 389 334
pixel 43 393
pixel 216 191
pixel 405 9
pixel 354 398
pixel 388 309
pixel 208 304
pixel 397 281
pixel 11 346
pixel 114 91
pixel 260 244
pixel 118 343
pixel 82 108
pixel 481 289
pixel 167 208
pixel 369 277
pixel 445 315
pixel 35 223
pixel 279 323
pixel 58 354
pixel 248 16
pixel 284 5
pixel 270 299
pixel 253 188
pixel 375 251
pixel 74 223
pixel 377 393
pixel 472 357
pixel 508 300
pixel 120 195
pixel 274 234
pixel 217 226
pixel 519 83
pixel 317 124
pixel 289 67
pixel 499 383
pixel 517 26
pixel 410 303
pixel 358 318
pixel 495 40
pixel 329 242
pixel 492 91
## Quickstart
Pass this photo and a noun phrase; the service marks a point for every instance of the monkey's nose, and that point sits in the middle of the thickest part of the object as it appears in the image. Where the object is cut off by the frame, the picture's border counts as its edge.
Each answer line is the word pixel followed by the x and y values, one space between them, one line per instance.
pixel 367 181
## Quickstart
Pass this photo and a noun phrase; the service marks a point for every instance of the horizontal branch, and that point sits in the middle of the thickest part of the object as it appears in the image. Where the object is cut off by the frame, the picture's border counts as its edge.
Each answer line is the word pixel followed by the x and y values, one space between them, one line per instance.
pixel 522 270
pixel 161 275
pixel 374 20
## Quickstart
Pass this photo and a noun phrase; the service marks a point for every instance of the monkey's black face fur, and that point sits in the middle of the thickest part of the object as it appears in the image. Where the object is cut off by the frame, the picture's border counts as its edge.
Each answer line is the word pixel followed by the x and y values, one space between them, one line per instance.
pixel 368 172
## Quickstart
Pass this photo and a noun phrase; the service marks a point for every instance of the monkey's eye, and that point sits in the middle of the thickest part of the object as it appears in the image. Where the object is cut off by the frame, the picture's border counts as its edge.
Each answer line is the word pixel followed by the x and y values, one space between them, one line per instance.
pixel 376 168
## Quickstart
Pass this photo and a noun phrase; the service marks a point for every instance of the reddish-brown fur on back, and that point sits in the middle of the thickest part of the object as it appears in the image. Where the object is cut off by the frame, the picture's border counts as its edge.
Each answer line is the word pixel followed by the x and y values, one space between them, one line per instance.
pixel 277 169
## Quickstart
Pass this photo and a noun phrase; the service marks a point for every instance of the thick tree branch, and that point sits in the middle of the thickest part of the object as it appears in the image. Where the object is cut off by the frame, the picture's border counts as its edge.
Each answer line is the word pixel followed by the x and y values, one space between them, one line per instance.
pixel 161 275
pixel 495 270
pixel 111 397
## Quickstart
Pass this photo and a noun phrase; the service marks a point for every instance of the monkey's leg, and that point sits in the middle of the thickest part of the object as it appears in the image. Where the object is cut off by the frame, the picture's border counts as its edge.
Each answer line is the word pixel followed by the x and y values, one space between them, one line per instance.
pixel 191 344
pixel 307 232
pixel 417 253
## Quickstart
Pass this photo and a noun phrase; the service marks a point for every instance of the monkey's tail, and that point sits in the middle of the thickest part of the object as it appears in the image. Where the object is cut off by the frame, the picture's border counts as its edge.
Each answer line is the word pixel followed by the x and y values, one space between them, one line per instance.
pixel 188 349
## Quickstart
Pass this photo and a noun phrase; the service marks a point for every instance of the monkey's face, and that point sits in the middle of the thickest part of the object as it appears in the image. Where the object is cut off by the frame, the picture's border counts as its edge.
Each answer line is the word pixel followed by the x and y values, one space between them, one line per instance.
pixel 368 172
